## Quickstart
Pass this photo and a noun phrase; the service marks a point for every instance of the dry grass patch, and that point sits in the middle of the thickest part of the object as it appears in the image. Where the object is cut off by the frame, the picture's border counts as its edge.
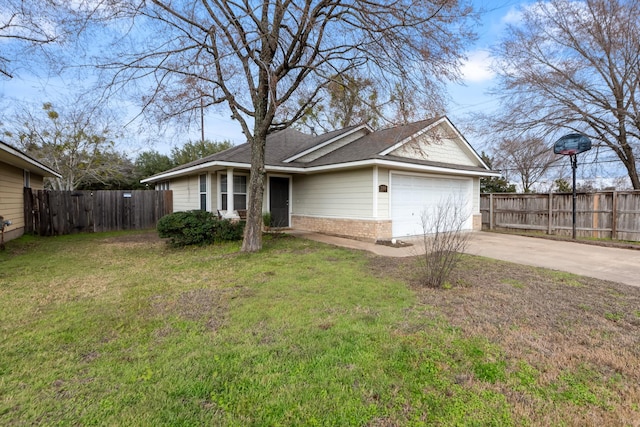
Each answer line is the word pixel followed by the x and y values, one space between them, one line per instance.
pixel 571 343
pixel 207 307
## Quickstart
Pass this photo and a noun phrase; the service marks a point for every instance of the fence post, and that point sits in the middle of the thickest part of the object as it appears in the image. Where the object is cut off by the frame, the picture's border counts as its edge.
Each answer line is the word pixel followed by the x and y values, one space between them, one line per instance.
pixel 614 216
pixel 550 214
pixel 595 220
pixel 490 211
pixel 28 211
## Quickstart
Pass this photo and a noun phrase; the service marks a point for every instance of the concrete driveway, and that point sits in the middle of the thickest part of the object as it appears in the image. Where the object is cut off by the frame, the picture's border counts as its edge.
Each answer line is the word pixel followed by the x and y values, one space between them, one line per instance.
pixel 617 265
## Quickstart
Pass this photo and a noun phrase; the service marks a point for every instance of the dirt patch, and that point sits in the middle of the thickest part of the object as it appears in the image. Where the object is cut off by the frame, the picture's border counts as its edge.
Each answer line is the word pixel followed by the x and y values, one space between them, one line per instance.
pixel 555 322
pixel 209 307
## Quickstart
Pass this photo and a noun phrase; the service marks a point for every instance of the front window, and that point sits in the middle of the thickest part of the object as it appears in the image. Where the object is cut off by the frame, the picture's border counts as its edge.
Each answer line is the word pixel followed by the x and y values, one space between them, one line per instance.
pixel 203 192
pixel 27 179
pixel 239 191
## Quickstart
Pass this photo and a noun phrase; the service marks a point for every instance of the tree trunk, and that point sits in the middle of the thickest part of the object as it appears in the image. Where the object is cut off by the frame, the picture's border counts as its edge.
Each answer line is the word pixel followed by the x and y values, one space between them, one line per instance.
pixel 264 113
pixel 253 229
pixel 629 162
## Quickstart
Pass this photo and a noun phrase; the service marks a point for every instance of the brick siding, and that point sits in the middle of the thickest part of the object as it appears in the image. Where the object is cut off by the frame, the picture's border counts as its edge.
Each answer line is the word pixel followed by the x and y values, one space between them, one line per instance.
pixel 370 230
pixel 477 222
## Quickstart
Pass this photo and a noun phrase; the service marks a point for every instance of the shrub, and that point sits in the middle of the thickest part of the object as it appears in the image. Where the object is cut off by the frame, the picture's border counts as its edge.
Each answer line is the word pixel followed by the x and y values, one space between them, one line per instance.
pixel 187 228
pixel 229 230
pixel 266 219
pixel 444 241
pixel 197 227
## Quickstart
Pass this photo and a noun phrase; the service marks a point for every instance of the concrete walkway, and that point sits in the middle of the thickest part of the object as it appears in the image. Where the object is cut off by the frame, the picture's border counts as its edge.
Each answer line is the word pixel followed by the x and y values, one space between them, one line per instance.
pixel 615 264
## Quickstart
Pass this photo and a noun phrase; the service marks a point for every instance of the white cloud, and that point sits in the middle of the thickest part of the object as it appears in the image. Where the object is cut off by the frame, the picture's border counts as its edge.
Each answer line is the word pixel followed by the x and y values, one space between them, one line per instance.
pixel 477 67
pixel 513 16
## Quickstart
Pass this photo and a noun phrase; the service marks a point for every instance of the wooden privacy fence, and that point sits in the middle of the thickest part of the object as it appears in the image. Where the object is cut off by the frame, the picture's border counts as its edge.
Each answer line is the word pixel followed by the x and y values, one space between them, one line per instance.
pixel 609 214
pixel 50 213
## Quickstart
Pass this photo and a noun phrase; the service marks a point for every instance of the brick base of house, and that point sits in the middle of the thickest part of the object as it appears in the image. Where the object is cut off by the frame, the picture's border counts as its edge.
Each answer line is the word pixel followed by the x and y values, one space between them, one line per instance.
pixel 369 230
pixel 477 222
pixel 13 234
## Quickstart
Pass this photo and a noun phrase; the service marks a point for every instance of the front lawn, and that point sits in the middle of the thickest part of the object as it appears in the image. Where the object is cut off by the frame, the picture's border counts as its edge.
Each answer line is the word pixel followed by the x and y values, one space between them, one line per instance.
pixel 120 329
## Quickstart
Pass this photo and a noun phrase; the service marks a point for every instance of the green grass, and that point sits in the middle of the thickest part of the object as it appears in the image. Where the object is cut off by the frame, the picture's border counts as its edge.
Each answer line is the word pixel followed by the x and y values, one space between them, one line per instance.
pixel 513 282
pixel 565 278
pixel 614 317
pixel 109 329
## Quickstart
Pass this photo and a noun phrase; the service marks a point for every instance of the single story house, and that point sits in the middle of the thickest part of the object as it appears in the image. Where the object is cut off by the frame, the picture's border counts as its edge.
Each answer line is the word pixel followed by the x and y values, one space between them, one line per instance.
pixel 354 182
pixel 17 171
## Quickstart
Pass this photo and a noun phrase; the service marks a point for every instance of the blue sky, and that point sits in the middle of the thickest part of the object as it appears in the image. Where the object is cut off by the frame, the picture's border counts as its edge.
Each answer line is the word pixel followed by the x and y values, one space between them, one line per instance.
pixel 471 96
pixel 465 99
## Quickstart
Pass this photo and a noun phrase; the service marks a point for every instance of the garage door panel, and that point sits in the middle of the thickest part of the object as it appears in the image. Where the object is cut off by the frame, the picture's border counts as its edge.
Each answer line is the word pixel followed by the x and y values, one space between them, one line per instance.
pixel 414 195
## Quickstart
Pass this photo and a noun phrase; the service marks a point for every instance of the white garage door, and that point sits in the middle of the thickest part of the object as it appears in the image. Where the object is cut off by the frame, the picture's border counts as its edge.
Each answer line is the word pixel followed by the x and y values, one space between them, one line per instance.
pixel 411 196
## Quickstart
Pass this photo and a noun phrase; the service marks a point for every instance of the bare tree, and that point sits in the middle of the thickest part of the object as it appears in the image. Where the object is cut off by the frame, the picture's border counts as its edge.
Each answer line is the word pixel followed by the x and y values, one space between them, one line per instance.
pixel 347 100
pixel 350 100
pixel 28 27
pixel 21 27
pixel 445 240
pixel 77 141
pixel 527 157
pixel 268 61
pixel 574 65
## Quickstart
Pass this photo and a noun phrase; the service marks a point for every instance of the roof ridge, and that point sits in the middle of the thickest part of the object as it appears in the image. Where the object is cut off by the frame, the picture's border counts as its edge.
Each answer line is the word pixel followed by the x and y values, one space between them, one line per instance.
pixel 417 122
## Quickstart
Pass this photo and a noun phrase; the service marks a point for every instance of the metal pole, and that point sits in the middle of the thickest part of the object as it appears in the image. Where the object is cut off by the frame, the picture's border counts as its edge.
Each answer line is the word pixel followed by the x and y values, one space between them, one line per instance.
pixel 202 118
pixel 574 166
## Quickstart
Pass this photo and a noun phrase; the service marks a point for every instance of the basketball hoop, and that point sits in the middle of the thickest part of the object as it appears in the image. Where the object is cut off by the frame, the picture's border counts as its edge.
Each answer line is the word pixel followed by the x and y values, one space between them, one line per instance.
pixel 571 145
pixel 568 152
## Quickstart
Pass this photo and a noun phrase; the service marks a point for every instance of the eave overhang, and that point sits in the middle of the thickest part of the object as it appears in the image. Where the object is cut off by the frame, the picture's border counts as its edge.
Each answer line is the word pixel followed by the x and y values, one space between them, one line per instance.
pixel 396 165
pixel 20 160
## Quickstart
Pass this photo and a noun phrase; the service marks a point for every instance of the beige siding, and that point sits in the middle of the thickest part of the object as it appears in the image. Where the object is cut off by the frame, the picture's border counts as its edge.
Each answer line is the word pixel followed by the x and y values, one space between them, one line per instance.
pixel 438 145
pixel 37 182
pixel 383 198
pixel 476 195
pixel 345 194
pixel 12 195
pixel 185 193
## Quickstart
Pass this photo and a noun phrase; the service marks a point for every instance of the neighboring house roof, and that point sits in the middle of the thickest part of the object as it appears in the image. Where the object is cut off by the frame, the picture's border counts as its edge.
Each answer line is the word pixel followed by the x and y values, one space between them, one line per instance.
pixel 17 158
pixel 293 151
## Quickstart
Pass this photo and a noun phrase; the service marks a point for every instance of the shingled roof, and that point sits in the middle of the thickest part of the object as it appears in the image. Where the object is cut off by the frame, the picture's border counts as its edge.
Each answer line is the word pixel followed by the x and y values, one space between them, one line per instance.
pixel 285 148
pixel 12 156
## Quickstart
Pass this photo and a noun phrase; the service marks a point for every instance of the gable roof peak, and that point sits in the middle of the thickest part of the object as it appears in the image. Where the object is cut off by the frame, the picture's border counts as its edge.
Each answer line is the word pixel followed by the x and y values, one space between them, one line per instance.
pixel 329 141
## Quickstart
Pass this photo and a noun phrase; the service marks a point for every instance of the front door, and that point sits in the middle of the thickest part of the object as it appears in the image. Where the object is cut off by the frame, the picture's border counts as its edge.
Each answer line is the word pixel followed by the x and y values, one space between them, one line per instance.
pixel 279 201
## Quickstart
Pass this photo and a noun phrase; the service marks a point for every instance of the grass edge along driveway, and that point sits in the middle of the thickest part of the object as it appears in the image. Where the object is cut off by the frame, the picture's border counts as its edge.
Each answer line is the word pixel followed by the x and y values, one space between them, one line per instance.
pixel 119 329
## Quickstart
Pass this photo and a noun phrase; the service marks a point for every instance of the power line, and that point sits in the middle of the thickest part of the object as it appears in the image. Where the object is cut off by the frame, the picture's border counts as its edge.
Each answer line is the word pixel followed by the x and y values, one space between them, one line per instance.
pixel 557 165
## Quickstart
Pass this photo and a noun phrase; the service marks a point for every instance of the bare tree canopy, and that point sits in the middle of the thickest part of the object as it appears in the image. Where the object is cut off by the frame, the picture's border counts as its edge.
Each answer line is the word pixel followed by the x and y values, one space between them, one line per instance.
pixel 76 140
pixel 28 26
pixel 345 101
pixel 574 66
pixel 267 61
pixel 528 158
